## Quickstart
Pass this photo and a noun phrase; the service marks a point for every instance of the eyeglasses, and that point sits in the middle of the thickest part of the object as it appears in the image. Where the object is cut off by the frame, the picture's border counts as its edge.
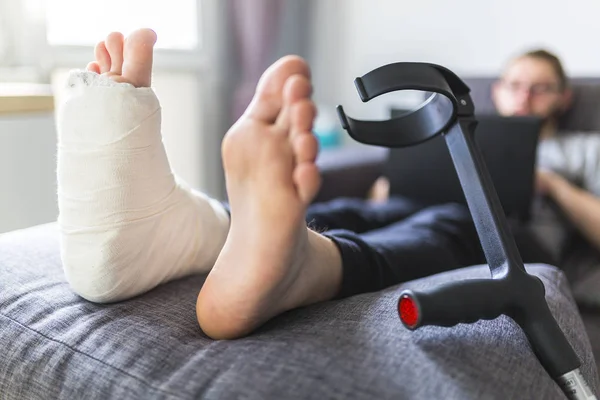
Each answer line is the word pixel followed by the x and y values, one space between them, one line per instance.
pixel 536 89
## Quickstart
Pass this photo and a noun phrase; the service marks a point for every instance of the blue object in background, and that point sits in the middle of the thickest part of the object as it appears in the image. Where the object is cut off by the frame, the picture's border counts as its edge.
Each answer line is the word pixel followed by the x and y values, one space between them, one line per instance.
pixel 327 128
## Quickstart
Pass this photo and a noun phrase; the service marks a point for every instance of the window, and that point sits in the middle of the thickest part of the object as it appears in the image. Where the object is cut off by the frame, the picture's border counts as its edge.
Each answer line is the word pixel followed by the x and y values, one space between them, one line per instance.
pixel 73 22
pixel 37 36
pixel 21 27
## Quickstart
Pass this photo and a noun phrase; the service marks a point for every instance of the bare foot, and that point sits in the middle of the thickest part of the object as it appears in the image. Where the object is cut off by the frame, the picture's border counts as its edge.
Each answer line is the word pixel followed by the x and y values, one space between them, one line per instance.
pixel 126 60
pixel 271 262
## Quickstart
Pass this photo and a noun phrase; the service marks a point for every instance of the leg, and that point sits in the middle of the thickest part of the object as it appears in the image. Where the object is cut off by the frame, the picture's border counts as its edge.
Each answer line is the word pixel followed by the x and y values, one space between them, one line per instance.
pixel 436 239
pixel 127 222
pixel 433 240
pixel 358 215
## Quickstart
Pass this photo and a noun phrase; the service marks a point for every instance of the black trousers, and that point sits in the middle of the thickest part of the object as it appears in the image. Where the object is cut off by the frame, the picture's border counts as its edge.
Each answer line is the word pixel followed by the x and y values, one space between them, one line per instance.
pixel 388 243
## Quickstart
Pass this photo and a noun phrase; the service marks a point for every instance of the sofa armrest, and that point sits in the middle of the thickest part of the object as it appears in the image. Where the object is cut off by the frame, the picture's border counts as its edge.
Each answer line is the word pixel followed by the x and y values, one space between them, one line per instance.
pixel 349 171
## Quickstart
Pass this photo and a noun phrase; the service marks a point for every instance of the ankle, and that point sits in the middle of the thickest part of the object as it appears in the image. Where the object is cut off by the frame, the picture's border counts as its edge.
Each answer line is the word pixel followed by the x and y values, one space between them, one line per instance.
pixel 323 268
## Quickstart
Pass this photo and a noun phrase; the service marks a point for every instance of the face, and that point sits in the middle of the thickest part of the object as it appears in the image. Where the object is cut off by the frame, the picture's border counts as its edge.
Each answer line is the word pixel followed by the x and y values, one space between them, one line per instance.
pixel 530 86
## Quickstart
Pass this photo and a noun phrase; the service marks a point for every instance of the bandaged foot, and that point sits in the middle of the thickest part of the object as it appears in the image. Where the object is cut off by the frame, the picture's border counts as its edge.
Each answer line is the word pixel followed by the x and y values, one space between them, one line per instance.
pixel 127 223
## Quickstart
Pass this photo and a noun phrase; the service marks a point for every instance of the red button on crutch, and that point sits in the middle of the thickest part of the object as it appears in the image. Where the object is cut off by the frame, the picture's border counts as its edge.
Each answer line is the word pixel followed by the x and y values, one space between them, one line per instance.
pixel 408 311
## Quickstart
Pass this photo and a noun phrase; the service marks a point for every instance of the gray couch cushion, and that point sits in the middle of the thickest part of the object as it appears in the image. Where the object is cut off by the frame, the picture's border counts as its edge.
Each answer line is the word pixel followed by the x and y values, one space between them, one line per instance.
pixel 591 320
pixel 59 346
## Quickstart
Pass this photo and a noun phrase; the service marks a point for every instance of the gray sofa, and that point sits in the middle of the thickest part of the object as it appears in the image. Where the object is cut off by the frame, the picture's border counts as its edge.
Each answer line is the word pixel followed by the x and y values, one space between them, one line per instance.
pixel 56 345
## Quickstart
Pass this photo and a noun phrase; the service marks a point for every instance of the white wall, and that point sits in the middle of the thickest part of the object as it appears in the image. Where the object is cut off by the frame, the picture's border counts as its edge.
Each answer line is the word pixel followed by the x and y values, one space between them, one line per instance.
pixel 27 170
pixel 471 37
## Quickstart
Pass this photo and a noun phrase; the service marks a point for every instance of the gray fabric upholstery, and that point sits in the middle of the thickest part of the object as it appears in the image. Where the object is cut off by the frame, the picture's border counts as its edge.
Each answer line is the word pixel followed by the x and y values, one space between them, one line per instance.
pixel 56 345
pixel 591 320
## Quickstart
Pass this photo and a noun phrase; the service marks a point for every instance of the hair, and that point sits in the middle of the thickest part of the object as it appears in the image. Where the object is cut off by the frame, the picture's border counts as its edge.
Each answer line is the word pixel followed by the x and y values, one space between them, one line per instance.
pixel 552 60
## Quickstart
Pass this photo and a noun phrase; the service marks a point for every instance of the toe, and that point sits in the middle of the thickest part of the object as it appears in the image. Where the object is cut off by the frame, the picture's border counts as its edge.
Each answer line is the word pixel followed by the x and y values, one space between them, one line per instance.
pixel 138 55
pixel 297 88
pixel 114 45
pixel 306 148
pixel 102 57
pixel 93 67
pixel 307 180
pixel 268 100
pixel 302 114
pixel 304 143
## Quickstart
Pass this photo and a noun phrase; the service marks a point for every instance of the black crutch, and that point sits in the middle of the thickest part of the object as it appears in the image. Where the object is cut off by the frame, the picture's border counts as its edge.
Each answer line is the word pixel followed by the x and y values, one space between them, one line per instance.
pixel 511 290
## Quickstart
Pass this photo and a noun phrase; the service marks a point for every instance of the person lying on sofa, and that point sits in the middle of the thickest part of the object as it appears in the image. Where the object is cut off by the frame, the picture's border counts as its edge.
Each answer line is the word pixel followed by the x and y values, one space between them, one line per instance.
pixel 128 223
